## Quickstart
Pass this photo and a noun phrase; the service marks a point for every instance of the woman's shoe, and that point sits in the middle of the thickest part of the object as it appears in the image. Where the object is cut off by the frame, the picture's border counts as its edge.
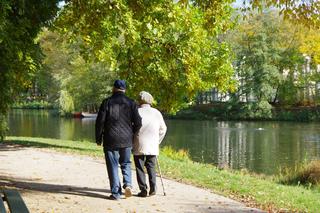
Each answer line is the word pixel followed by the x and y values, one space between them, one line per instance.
pixel 151 193
pixel 143 194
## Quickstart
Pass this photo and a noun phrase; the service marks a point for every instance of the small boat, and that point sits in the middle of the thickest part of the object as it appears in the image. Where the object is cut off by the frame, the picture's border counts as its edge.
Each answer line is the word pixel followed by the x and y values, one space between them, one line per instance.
pixel 88 115
pixel 77 114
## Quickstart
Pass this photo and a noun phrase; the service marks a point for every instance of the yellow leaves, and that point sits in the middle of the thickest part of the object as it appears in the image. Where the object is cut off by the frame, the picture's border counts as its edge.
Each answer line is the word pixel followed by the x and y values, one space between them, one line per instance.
pixel 20 55
pixel 302 12
pixel 147 55
pixel 310 44
pixel 87 39
pixel 149 26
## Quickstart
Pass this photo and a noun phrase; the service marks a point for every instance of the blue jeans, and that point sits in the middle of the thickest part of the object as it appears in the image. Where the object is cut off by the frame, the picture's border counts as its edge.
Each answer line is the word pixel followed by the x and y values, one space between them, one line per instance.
pixel 113 159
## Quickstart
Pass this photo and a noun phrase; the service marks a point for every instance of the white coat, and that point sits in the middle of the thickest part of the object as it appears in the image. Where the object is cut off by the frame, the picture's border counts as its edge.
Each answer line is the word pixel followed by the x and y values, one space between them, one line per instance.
pixel 151 133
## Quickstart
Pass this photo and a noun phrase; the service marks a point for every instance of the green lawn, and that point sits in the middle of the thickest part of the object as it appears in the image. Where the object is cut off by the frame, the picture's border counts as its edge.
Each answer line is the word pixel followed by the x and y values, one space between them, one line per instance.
pixel 261 192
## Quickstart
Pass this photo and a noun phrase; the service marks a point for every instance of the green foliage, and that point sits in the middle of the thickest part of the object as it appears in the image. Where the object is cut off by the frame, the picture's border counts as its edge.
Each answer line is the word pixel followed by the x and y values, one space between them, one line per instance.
pixel 167 48
pixel 299 12
pixel 262 55
pixel 304 114
pixel 256 110
pixel 287 93
pixel 86 81
pixel 20 22
pixel 66 105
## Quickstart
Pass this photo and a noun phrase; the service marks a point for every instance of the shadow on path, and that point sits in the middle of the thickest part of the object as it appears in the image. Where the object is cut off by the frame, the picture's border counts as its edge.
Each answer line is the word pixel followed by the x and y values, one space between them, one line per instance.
pixel 4 146
pixel 25 184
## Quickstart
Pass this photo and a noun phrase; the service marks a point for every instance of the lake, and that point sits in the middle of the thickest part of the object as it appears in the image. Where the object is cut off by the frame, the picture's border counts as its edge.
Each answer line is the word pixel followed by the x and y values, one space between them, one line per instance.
pixel 260 147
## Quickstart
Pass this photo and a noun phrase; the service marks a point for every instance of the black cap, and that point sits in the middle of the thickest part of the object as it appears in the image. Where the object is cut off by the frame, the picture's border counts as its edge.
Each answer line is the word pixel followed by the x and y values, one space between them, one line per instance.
pixel 120 84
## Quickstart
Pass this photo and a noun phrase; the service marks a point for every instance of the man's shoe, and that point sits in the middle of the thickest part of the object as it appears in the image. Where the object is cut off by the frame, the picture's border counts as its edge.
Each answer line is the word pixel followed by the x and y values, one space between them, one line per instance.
pixel 112 197
pixel 143 194
pixel 127 192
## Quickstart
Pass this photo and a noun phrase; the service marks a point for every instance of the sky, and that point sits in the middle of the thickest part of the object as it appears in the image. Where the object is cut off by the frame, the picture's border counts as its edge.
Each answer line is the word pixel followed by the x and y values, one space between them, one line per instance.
pixel 61 4
pixel 237 3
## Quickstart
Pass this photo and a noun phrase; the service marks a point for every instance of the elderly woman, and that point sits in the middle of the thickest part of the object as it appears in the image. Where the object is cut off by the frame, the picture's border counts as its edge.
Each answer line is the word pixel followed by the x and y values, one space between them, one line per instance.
pixel 146 143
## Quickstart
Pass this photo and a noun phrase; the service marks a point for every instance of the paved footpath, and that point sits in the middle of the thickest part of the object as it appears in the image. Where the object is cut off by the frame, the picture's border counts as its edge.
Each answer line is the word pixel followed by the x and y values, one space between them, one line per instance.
pixel 55 182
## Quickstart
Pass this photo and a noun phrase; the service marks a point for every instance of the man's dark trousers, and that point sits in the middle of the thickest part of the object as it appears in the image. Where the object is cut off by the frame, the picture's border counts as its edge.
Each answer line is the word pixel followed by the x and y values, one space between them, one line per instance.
pixel 113 158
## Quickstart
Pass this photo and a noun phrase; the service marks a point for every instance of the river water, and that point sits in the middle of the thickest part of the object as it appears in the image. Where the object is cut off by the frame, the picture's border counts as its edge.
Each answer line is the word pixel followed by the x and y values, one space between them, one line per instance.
pixel 260 147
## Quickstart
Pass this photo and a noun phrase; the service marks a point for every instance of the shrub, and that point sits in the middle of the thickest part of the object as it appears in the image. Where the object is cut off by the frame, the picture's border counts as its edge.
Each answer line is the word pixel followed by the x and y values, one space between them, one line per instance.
pixel 256 110
pixel 307 174
pixel 180 155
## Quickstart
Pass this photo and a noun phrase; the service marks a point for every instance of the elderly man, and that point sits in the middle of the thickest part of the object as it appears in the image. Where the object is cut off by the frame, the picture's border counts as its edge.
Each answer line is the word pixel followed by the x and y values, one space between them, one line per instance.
pixel 146 143
pixel 117 122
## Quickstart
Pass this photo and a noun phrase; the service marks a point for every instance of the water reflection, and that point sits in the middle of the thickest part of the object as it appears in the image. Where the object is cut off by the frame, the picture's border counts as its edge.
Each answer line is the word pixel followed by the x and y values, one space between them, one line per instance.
pixel 260 147
pixel 45 123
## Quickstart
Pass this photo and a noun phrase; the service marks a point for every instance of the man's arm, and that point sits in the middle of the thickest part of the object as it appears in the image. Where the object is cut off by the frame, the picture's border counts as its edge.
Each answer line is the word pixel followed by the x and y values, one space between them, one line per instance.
pixel 100 122
pixel 136 119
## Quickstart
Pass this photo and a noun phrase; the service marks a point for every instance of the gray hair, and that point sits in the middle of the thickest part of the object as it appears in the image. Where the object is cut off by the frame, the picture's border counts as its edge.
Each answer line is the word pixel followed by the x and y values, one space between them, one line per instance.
pixel 145 97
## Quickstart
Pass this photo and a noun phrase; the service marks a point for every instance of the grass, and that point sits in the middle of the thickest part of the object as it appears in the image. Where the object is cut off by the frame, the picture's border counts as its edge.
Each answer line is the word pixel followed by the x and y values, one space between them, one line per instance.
pixel 258 191
pixel 66 146
pixel 263 192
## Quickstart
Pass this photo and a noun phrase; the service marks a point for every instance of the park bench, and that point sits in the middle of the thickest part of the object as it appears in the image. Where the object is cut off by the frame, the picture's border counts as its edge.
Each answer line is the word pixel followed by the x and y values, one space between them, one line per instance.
pixel 14 202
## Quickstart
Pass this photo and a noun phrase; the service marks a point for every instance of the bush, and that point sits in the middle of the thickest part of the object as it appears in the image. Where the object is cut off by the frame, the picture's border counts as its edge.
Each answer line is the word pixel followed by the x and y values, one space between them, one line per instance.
pixel 256 110
pixel 307 174
pixel 180 155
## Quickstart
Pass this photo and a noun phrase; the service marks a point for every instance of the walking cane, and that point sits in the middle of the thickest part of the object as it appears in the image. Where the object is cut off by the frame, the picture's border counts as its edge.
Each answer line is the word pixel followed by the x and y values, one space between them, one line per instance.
pixel 164 193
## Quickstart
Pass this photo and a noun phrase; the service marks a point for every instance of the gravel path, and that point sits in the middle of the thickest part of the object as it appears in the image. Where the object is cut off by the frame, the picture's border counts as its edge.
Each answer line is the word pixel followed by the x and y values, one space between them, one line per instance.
pixel 54 182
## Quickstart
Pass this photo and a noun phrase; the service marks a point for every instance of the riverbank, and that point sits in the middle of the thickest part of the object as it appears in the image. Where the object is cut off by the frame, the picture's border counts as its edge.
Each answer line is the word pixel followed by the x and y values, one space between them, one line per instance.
pixel 41 104
pixel 227 111
pixel 257 191
pixel 217 111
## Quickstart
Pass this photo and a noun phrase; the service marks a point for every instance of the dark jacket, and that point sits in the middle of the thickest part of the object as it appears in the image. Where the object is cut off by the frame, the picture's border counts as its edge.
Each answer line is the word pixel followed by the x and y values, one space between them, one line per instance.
pixel 117 122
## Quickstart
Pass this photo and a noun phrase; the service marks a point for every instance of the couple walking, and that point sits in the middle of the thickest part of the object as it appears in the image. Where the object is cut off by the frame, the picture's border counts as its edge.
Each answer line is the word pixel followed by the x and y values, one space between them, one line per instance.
pixel 123 126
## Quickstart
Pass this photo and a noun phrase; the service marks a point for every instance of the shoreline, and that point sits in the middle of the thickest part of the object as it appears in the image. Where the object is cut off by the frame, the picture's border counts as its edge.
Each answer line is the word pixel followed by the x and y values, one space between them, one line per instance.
pixel 220 112
pixel 255 191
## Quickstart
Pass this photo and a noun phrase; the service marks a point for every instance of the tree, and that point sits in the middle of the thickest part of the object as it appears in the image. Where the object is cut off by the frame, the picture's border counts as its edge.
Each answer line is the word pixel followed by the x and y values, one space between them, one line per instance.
pixel 310 48
pixel 310 44
pixel 169 49
pixel 73 80
pixel 20 22
pixel 304 12
pixel 172 45
pixel 265 47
